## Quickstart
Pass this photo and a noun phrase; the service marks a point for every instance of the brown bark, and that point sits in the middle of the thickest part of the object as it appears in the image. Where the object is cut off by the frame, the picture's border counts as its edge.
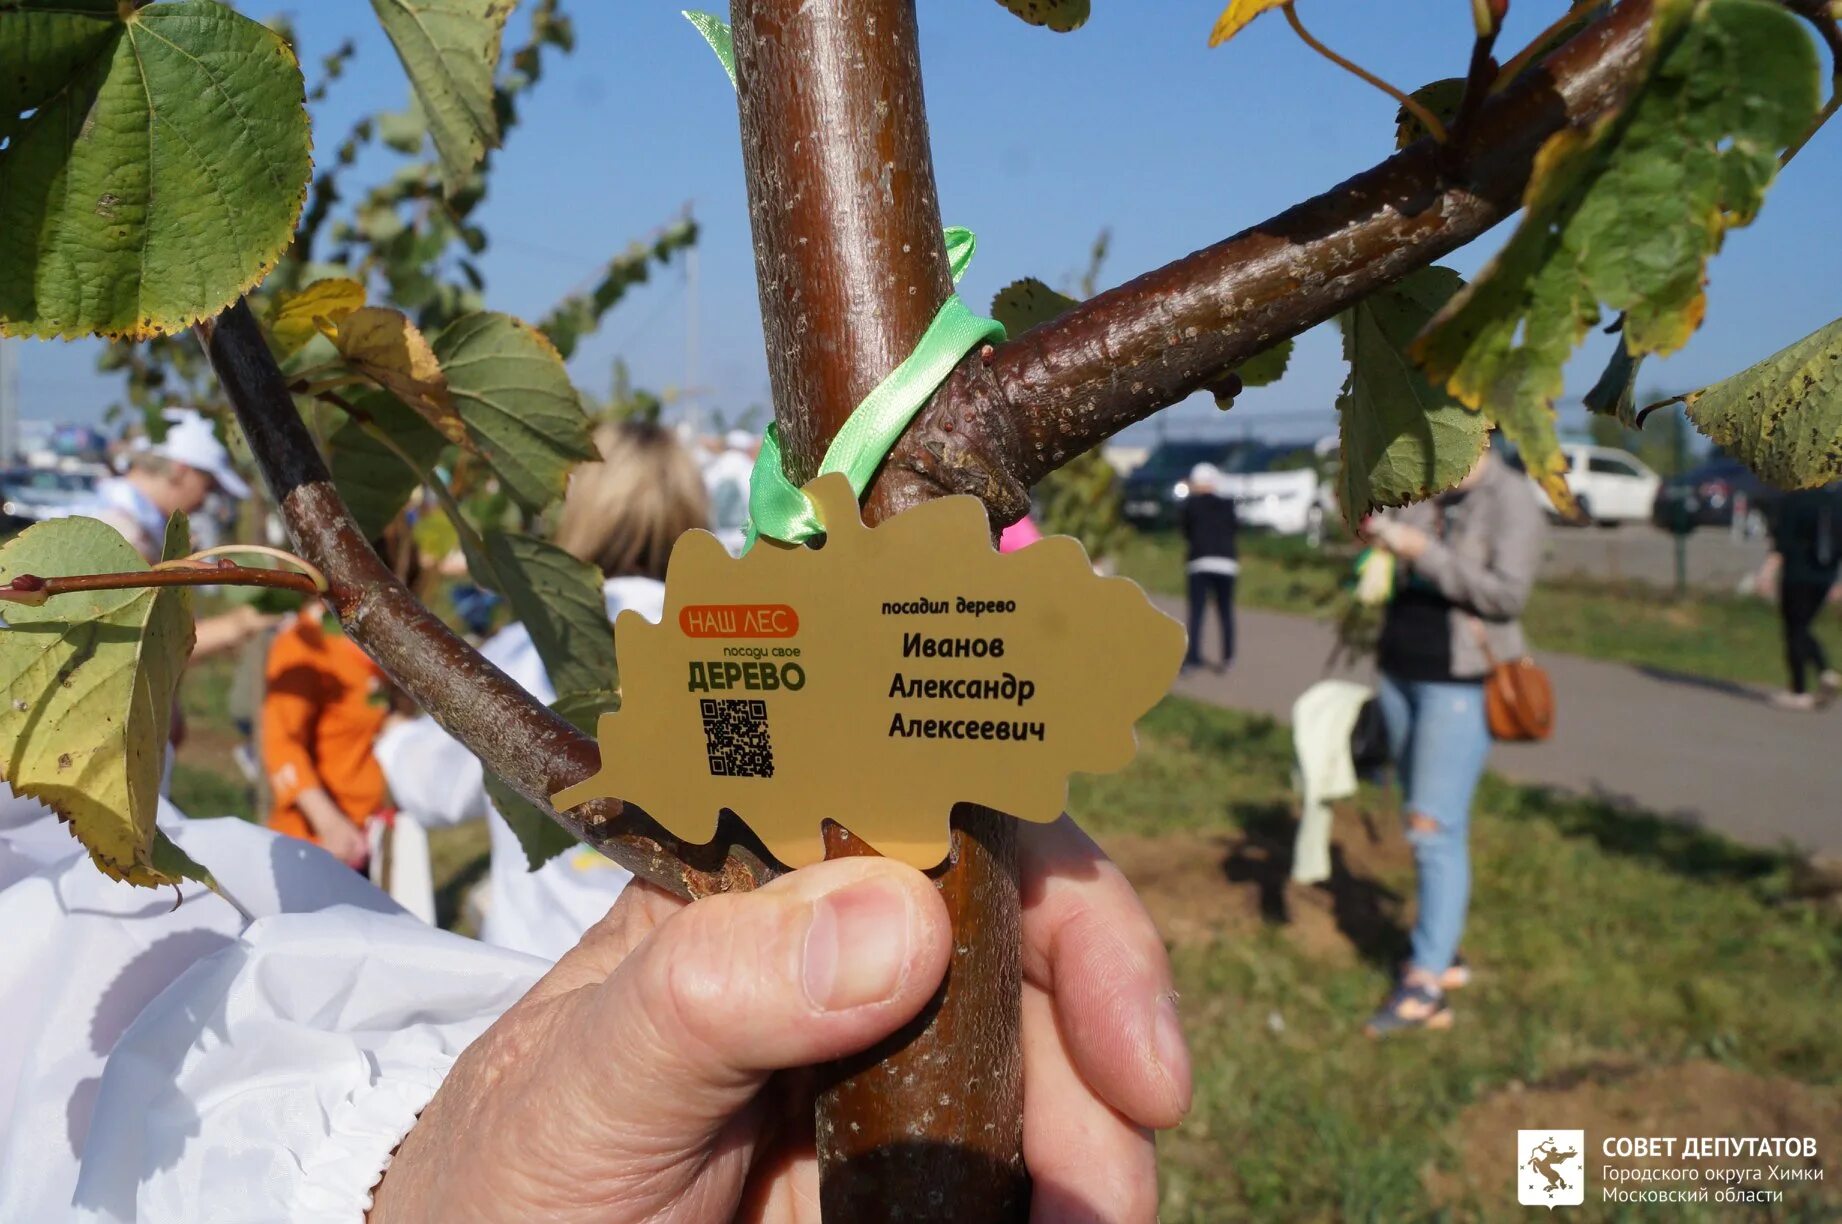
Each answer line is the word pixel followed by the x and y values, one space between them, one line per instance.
pixel 513 733
pixel 927 1126
pixel 997 427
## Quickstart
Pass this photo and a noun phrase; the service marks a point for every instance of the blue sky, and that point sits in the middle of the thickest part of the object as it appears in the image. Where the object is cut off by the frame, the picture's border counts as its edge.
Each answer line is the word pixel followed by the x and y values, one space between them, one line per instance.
pixel 1040 140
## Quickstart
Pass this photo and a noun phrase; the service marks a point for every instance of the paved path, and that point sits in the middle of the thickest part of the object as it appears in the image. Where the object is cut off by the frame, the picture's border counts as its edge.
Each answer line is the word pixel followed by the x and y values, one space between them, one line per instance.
pixel 1702 751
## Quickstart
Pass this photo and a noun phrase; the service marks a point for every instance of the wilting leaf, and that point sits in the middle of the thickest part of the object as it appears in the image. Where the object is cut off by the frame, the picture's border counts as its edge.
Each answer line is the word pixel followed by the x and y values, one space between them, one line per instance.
pixel 152 163
pixel 450 48
pixel 521 411
pixel 540 837
pixel 1440 97
pixel 87 681
pixel 372 479
pixel 684 750
pixel 1059 15
pixel 1403 438
pixel 1628 214
pixel 1024 304
pixel 387 348
pixel 317 309
pixel 1236 16
pixel 1615 394
pixel 1782 417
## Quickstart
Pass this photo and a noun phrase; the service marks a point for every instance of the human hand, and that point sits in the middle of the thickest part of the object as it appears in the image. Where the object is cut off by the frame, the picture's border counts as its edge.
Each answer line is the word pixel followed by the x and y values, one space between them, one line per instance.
pixel 626 1085
pixel 346 842
pixel 1403 541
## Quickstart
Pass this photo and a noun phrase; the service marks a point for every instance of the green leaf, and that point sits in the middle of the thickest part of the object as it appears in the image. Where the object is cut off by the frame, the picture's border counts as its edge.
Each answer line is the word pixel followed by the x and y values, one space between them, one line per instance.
pixel 1028 303
pixel 1267 366
pixel 86 690
pixel 450 48
pixel 375 483
pixel 1782 417
pixel 542 838
pixel 1441 97
pixel 1403 438
pixel 510 387
pixel 161 169
pixel 1628 214
pixel 559 601
pixel 716 32
pixel 1059 15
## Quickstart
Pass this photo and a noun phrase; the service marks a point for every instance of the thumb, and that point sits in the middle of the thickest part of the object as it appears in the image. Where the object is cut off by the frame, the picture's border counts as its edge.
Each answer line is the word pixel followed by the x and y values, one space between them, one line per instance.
pixel 823 962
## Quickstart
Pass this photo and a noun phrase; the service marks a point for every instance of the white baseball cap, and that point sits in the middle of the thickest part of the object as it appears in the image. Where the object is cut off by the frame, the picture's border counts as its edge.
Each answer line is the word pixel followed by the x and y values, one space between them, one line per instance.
pixel 1205 474
pixel 189 440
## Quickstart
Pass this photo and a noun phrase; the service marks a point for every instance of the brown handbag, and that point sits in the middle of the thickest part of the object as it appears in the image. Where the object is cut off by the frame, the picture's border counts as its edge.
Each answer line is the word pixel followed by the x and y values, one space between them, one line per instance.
pixel 1518 697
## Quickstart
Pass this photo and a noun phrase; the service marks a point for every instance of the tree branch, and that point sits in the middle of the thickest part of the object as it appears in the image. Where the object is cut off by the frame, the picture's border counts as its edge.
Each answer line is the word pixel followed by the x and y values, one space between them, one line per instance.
pixel 1005 420
pixel 848 253
pixel 512 733
pixel 34 590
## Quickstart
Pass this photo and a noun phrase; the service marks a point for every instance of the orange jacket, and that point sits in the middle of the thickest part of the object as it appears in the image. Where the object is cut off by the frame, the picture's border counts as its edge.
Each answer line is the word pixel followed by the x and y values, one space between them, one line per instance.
pixel 321 716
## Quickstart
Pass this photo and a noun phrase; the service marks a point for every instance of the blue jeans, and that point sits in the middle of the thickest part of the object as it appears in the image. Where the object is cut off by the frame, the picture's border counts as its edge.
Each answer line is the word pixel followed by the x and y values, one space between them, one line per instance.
pixel 1440 740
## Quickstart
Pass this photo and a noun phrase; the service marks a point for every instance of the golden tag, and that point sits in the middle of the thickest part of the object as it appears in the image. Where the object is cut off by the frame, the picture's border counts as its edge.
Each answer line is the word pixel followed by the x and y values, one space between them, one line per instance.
pixel 877 681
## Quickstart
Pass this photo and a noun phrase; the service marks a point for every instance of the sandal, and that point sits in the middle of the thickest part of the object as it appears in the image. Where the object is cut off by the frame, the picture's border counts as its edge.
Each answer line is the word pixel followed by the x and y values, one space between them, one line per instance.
pixel 1456 977
pixel 1410 1007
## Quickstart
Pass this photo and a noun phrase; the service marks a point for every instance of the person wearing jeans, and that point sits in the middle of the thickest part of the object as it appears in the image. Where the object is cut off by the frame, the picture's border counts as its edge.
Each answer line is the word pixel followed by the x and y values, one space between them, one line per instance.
pixel 1466 561
pixel 1209 526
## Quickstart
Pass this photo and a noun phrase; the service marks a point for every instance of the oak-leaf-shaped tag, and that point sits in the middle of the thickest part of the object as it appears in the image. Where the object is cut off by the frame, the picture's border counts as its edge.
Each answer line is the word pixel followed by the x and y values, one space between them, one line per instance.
pixel 877 681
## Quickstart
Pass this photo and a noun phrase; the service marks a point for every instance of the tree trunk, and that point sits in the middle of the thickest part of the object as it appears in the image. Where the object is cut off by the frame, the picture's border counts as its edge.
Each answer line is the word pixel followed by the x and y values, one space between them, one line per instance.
pixel 852 269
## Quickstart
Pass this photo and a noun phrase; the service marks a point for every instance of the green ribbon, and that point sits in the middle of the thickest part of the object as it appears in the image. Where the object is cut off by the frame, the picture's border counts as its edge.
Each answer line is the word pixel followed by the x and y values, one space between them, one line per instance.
pixel 776 506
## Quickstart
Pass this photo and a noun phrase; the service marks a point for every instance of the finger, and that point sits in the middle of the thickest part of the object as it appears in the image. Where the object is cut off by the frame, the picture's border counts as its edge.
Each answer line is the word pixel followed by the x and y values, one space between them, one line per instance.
pixel 1088 940
pixel 639 909
pixel 1088 1164
pixel 819 964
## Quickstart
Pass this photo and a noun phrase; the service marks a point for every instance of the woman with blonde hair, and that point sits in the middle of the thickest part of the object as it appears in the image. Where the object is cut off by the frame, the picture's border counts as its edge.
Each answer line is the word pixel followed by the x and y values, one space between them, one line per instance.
pixel 621 515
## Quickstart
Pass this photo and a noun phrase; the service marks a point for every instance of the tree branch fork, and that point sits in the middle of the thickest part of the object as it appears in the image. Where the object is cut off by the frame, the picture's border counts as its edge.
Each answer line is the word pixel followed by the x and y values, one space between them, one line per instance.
pixel 1006 417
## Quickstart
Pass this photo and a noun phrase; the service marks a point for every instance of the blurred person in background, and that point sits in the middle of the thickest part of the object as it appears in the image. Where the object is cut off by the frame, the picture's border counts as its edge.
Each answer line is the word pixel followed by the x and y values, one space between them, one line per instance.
pixel 323 709
pixel 1209 526
pixel 622 516
pixel 1806 557
pixel 176 476
pixel 1465 564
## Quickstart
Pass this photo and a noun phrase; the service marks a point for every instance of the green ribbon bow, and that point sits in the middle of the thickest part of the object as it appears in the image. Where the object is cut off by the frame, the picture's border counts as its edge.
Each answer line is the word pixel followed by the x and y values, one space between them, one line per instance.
pixel 776 506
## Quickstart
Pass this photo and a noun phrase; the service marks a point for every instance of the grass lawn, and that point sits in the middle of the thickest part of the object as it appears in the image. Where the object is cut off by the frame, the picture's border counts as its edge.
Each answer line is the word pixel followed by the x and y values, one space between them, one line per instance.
pixel 1722 637
pixel 1633 977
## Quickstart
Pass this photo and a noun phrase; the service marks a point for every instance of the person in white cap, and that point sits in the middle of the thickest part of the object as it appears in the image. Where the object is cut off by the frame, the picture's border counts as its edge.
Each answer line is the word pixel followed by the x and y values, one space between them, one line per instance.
pixel 175 476
pixel 172 476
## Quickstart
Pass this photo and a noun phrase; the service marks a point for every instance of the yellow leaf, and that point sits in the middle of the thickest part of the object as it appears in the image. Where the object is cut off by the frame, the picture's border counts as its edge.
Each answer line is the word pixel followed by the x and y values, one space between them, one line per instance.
pixel 880 680
pixel 388 349
pixel 1238 14
pixel 318 308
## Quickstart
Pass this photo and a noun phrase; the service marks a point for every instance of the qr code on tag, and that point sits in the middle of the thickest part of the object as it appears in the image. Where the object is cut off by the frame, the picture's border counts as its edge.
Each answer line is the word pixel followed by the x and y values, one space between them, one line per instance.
pixel 736 737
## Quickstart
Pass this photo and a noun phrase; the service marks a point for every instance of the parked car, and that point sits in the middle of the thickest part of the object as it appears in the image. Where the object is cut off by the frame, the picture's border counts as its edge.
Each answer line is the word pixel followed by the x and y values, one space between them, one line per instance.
pixel 1612 486
pixel 1277 487
pixel 1716 494
pixel 31 495
pixel 1151 492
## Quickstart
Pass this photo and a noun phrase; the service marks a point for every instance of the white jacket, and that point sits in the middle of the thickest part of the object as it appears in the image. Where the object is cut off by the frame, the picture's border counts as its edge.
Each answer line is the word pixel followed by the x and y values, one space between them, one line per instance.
pixel 162 1064
pixel 436 780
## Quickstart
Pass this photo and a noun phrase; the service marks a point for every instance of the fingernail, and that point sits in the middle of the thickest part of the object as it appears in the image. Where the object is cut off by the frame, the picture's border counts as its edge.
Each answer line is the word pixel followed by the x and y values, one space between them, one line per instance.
pixel 857 945
pixel 1173 1052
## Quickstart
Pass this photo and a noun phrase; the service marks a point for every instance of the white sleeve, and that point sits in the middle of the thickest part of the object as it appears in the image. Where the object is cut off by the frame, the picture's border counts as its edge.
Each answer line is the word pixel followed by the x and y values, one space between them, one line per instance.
pixel 431 774
pixel 273 1080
